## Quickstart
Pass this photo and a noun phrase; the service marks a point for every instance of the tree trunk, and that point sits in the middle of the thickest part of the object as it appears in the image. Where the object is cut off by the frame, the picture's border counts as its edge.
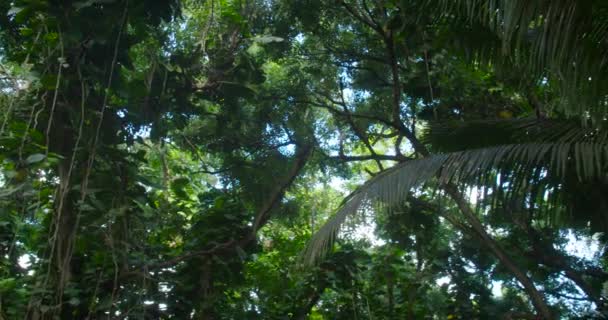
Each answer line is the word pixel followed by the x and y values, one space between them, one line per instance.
pixel 205 308
pixel 62 226
pixel 538 300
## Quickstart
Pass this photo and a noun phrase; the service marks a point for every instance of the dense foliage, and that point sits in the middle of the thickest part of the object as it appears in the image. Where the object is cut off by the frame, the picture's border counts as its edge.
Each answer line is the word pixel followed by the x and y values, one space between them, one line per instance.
pixel 277 159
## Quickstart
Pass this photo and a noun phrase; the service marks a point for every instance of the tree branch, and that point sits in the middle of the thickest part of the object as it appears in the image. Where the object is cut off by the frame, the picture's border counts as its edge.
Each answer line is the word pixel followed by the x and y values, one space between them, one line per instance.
pixel 262 216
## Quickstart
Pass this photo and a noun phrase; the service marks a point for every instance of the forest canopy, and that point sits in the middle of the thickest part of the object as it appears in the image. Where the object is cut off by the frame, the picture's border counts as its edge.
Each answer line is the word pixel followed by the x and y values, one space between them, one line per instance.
pixel 313 159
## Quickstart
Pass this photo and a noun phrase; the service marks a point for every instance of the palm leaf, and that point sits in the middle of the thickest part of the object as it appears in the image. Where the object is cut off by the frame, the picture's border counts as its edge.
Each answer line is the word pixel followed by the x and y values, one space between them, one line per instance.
pixel 459 135
pixel 566 41
pixel 390 187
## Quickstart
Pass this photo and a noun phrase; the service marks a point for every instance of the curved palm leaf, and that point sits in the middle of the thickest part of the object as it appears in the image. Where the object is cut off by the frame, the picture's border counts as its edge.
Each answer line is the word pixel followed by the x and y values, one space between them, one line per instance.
pixel 458 135
pixel 565 40
pixel 389 188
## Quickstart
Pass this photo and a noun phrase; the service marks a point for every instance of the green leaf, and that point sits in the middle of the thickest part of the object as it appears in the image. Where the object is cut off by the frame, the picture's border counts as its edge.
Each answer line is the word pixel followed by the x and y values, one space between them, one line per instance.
pixel 267 39
pixel 146 210
pixel 10 191
pixel 51 36
pixel 74 301
pixel 14 11
pixel 35 158
pixel 7 284
pixel 255 49
pixel 26 32
pixel 178 185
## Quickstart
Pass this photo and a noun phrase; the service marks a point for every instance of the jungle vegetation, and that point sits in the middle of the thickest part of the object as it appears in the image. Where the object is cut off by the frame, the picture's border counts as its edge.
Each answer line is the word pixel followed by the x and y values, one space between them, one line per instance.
pixel 310 159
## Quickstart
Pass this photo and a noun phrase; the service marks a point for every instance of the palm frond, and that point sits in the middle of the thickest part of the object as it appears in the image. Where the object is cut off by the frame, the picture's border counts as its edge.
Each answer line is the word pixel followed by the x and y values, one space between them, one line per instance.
pixel 566 41
pixel 391 187
pixel 459 135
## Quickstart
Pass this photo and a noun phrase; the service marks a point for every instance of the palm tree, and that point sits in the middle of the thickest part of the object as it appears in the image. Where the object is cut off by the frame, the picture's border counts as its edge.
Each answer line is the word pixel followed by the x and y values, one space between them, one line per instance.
pixel 562 42
pixel 582 151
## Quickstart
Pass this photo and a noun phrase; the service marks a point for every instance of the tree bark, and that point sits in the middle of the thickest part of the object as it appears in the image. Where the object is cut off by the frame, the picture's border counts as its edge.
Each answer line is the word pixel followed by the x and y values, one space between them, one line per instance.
pixel 537 298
